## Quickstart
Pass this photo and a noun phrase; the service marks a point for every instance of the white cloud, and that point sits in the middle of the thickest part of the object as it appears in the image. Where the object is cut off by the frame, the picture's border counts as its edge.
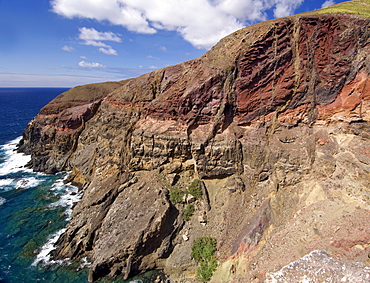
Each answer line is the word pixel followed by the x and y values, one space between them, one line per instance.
pixel 285 8
pixel 163 48
pixel 95 43
pixel 328 3
pixel 201 22
pixel 108 51
pixel 68 48
pixel 152 57
pixel 83 57
pixel 47 80
pixel 90 65
pixel 91 36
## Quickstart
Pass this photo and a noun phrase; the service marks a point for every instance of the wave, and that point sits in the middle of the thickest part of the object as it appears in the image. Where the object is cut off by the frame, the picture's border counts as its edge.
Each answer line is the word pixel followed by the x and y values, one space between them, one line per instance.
pixel 44 254
pixel 15 175
pixel 14 161
pixel 6 182
pixel 67 194
pixel 27 183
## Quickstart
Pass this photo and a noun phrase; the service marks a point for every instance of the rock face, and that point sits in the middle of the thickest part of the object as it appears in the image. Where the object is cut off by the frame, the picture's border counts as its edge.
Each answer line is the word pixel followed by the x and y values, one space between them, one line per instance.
pixel 275 122
pixel 319 266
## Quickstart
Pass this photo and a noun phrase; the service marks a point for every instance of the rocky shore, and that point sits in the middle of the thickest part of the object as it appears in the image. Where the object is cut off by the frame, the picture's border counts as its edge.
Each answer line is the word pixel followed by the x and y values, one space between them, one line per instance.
pixel 273 121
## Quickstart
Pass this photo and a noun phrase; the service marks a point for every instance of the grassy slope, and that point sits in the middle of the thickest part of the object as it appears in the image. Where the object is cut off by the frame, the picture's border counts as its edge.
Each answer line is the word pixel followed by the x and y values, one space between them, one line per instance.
pixel 356 7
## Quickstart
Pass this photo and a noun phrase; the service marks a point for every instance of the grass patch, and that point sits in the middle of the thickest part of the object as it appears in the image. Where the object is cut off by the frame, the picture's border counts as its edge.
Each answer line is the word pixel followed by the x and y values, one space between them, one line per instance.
pixel 195 189
pixel 356 7
pixel 176 196
pixel 206 269
pixel 189 211
pixel 203 251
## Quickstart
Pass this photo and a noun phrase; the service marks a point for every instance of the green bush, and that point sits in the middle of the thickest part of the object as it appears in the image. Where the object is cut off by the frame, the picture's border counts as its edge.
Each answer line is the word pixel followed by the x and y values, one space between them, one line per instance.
pixel 205 270
pixel 189 211
pixel 176 196
pixel 203 251
pixel 195 189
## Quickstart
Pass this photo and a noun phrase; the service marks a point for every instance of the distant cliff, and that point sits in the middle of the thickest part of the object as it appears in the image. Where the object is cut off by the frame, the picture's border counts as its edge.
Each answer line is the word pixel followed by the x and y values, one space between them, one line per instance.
pixel 274 121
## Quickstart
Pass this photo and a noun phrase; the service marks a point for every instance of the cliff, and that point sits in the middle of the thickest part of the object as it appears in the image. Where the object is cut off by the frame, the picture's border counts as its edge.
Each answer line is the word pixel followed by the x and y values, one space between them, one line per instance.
pixel 274 121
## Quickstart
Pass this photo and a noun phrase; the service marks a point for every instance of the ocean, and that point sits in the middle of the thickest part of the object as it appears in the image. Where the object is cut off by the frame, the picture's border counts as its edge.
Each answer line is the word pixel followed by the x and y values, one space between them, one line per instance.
pixel 34 207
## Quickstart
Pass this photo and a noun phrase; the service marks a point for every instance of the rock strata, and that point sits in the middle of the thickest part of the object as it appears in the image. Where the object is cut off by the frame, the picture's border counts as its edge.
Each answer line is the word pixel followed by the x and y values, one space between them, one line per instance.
pixel 274 120
pixel 319 266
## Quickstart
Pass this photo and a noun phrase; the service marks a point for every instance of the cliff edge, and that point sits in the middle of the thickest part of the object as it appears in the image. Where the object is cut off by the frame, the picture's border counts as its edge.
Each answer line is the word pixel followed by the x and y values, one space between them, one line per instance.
pixel 273 121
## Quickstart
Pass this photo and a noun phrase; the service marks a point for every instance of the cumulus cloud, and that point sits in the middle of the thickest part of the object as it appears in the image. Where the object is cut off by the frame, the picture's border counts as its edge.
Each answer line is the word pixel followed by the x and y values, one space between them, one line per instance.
pixel 108 51
pixel 90 65
pixel 201 22
pixel 91 36
pixel 327 3
pixel 68 48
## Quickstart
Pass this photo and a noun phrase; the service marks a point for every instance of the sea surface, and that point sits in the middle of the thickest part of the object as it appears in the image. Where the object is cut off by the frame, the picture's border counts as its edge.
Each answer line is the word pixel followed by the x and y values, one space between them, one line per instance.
pixel 34 207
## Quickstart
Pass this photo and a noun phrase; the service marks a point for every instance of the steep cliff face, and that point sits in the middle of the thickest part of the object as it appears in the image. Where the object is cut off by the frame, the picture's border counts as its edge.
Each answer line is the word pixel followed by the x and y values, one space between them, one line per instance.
pixel 275 122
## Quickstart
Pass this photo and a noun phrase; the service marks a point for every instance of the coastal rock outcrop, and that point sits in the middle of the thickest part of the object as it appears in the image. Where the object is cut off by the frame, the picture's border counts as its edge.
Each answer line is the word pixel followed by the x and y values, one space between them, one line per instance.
pixel 319 266
pixel 274 121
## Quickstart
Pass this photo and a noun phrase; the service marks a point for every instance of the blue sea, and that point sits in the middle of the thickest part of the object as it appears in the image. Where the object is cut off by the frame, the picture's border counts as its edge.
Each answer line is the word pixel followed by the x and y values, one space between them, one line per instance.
pixel 34 207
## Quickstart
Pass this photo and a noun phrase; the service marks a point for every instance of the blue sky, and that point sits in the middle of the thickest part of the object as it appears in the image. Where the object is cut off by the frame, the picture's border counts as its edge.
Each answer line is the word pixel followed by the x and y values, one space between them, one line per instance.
pixel 64 43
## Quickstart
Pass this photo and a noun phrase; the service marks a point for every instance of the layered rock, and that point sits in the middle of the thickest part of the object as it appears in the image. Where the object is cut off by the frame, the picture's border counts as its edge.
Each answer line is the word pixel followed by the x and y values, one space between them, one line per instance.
pixel 319 266
pixel 274 120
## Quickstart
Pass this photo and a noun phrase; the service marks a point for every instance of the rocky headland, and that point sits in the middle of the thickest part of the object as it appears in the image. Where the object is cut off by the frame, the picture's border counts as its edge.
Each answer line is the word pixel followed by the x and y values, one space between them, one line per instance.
pixel 273 121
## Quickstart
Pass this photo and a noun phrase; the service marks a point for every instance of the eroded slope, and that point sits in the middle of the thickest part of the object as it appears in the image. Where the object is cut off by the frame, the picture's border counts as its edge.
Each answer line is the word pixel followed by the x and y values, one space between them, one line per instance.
pixel 274 120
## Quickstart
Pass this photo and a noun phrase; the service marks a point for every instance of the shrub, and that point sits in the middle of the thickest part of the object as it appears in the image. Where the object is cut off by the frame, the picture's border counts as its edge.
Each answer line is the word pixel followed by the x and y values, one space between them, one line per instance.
pixel 195 189
pixel 206 269
pixel 189 211
pixel 203 251
pixel 176 195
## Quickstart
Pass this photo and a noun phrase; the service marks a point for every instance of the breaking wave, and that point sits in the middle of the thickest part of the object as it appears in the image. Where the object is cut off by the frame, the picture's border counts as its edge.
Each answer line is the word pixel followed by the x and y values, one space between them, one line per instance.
pixel 44 255
pixel 13 161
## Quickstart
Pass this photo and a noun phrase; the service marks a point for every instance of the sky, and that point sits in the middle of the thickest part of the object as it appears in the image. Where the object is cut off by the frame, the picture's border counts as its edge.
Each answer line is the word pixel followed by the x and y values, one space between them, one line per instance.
pixel 64 43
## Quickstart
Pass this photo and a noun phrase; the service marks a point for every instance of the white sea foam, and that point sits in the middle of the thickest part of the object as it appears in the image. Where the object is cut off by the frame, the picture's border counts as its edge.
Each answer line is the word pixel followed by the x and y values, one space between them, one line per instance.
pixel 14 161
pixel 6 182
pixel 2 200
pixel 84 264
pixel 67 194
pixel 44 255
pixel 11 145
pixel 27 183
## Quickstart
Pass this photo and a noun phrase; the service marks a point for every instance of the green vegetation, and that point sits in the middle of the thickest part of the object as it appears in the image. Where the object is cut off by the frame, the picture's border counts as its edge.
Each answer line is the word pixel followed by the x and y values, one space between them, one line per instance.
pixel 176 196
pixel 356 7
pixel 203 251
pixel 194 189
pixel 189 211
pixel 206 269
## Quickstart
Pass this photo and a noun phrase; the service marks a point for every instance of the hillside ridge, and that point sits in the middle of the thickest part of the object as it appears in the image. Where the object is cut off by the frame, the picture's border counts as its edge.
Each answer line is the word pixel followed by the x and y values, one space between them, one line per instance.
pixel 273 121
